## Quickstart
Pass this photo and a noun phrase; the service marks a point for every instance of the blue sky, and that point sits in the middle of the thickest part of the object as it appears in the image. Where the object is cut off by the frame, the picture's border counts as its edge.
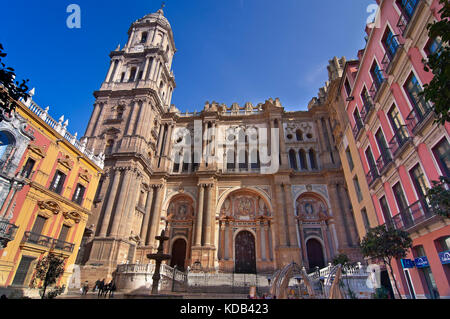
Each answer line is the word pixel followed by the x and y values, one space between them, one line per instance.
pixel 228 51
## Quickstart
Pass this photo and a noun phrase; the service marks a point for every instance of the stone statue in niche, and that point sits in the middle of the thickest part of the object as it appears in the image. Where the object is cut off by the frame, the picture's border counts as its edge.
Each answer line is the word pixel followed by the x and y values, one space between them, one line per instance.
pixel 309 209
pixel 182 212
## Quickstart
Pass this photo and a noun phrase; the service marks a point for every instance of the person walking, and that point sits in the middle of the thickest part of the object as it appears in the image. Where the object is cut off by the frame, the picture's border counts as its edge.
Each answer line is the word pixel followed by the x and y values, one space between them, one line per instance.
pixel 100 287
pixel 112 288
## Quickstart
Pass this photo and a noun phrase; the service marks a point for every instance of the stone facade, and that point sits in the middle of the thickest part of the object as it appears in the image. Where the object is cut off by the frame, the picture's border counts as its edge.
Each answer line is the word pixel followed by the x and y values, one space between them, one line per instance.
pixel 239 188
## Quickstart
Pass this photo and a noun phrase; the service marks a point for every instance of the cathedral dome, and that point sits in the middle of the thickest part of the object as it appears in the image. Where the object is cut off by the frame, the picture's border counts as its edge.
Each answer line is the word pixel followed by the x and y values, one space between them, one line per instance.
pixel 156 16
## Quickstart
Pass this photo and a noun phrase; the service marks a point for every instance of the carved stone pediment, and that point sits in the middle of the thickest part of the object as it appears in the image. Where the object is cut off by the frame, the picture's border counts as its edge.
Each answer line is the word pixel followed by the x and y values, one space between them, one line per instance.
pixel 65 161
pixel 38 150
pixel 84 174
pixel 50 205
pixel 76 217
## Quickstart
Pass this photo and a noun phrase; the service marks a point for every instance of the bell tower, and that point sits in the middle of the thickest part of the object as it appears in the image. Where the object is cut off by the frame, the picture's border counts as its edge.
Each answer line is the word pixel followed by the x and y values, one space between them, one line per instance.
pixel 125 126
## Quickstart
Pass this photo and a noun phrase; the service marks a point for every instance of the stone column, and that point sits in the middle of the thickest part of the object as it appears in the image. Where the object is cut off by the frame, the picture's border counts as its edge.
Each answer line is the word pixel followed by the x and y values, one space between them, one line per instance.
pixel 291 220
pixel 144 73
pixel 120 204
pixel 130 206
pixel 208 215
pixel 109 199
pixel 267 238
pixel 230 241
pixel 258 243
pixel 222 240
pixel 132 119
pixel 156 215
pixel 282 234
pixel 148 207
pixel 140 119
pixel 303 244
pixel 199 219
pixel 93 120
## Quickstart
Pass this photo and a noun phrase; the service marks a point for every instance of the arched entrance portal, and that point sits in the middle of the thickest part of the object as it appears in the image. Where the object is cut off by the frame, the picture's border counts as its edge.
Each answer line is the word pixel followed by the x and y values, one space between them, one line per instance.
pixel 315 254
pixel 245 257
pixel 178 254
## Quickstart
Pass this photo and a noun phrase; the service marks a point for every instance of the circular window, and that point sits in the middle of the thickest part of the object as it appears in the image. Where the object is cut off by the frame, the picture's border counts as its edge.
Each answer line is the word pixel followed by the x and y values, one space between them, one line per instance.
pixel 231 138
pixel 289 136
pixel 309 135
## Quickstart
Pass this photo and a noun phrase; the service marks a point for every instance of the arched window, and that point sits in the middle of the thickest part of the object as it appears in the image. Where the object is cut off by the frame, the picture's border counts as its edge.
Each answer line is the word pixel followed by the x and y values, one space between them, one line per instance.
pixel 144 37
pixel 7 143
pixel 293 160
pixel 303 162
pixel 299 135
pixel 312 159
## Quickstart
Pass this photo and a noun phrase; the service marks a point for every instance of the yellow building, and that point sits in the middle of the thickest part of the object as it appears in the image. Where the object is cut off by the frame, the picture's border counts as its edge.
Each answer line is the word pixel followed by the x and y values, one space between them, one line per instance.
pixel 48 204
pixel 342 72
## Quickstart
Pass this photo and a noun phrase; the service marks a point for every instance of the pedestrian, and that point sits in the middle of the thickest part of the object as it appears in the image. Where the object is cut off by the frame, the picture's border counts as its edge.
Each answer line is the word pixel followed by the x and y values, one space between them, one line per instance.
pixel 86 288
pixel 100 287
pixel 97 283
pixel 112 288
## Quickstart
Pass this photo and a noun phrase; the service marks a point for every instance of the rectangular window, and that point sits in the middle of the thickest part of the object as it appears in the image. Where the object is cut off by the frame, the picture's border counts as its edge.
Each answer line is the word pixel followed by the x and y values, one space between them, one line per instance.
pixel 22 271
pixel 58 182
pixel 413 89
pixel 426 274
pixel 78 194
pixel 64 233
pixel 357 189
pixel 400 197
pixel 390 43
pixel 386 211
pixel 433 46
pixel 28 168
pixel 382 145
pixel 442 154
pixel 377 75
pixel 365 219
pixel 144 37
pixel 408 7
pixel 348 89
pixel 39 225
pixel 349 158
pixel 122 77
pixel 371 162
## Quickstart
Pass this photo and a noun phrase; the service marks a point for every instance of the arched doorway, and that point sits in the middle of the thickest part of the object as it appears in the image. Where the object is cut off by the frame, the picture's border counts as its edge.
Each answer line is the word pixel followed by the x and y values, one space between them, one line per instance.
pixel 315 254
pixel 245 256
pixel 178 254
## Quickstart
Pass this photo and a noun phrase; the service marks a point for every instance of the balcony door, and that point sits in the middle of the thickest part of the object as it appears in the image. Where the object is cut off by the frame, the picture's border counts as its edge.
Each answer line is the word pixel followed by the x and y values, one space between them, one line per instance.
pixel 402 204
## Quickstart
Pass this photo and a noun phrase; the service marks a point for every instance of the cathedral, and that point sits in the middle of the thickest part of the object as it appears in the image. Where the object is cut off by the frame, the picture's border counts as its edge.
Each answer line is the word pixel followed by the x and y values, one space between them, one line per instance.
pixel 238 189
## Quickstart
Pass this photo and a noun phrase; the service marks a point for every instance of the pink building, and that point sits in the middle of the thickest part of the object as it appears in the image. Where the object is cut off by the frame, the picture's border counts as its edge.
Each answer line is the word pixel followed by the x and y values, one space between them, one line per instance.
pixel 401 148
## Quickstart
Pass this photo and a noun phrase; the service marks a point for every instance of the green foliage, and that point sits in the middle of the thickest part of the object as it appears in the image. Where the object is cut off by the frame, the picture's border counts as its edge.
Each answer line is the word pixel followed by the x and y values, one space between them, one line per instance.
pixel 439 197
pixel 12 90
pixel 437 91
pixel 381 293
pixel 340 259
pixel 385 243
pixel 49 269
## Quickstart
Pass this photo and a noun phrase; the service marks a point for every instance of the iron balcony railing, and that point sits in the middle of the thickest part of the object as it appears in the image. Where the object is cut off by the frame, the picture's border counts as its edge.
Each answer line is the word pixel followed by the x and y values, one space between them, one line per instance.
pixel 407 12
pixel 357 128
pixel 372 176
pixel 412 216
pixel 368 107
pixel 7 232
pixel 419 113
pixel 384 160
pixel 375 89
pixel 63 245
pixel 390 56
pixel 400 138
pixel 47 242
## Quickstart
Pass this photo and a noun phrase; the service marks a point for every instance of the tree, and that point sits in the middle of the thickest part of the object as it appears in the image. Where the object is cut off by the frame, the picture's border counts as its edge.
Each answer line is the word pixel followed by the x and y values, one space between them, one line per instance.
pixel 386 244
pixel 439 197
pixel 49 269
pixel 12 91
pixel 437 91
